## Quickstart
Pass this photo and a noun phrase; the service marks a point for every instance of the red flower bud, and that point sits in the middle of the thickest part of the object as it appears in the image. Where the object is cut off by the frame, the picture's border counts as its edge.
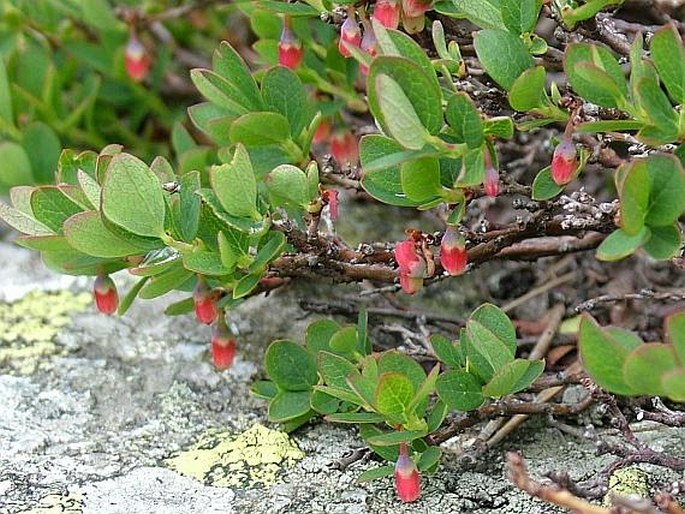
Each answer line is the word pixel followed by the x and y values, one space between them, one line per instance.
pixel 350 34
pixel 453 256
pixel 106 295
pixel 331 196
pixel 387 13
pixel 323 132
pixel 491 183
pixel 205 302
pixel 345 148
pixel 407 480
pixel 289 49
pixel 368 45
pixel 415 8
pixel 564 162
pixel 136 60
pixel 223 345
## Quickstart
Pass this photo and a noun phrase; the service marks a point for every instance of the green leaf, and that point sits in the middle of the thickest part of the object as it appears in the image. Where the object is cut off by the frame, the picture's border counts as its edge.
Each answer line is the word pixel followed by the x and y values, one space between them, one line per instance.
pixel 43 148
pixel 267 253
pixel 485 351
pixel 528 90
pixel 656 105
pixel 87 233
pixel 500 126
pixel 422 92
pixel 461 114
pixel 346 395
pixel 498 323
pixel 246 285
pixel 230 65
pixel 345 340
pixel 393 438
pixel 513 377
pixel 284 93
pixel 355 417
pixel 668 54
pixel 393 394
pixel 291 366
pixel 664 242
pixel 430 459
pixel 264 389
pixel 221 92
pixel 260 129
pixel 597 85
pixel 503 55
pixel 460 390
pixel 15 165
pixel 376 473
pixel 634 193
pixel 393 361
pixel 447 351
pixel 324 403
pixel 6 113
pixel 235 185
pixel 51 207
pixel 421 179
pixel 22 222
pixel 619 245
pixel 519 16
pixel 666 189
pixel 288 185
pixel 161 284
pixel 288 405
pixel 100 14
pixel 483 13
pixel 544 187
pixel 44 243
pixel 600 83
pixel 156 262
pixel 132 197
pixel 401 120
pixel 319 334
pixel 130 296
pixel 419 401
pixel 603 356
pixel 437 415
pixel 673 383
pixel 610 126
pixel 90 188
pixel 205 263
pixel 335 369
pixel 675 333
pixel 646 365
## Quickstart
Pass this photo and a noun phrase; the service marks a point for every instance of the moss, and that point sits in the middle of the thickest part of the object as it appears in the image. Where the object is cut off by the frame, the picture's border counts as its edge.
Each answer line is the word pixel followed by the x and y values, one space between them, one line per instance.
pixel 626 482
pixel 28 327
pixel 221 459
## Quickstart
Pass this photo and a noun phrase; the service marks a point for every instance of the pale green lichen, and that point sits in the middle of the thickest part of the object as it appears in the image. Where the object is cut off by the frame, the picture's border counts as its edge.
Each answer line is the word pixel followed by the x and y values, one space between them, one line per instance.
pixel 29 326
pixel 69 503
pixel 222 459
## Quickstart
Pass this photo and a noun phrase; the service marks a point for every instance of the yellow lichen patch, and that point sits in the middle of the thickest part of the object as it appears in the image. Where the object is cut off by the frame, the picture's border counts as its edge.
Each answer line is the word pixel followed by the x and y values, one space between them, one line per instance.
pixel 69 503
pixel 28 326
pixel 222 459
pixel 626 482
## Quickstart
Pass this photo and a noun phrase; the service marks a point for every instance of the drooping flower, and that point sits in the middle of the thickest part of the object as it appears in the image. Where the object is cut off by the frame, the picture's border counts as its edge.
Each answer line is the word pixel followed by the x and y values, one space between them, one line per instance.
pixel 344 148
pixel 491 183
pixel 453 256
pixel 387 13
pixel 136 59
pixel 407 479
pixel 105 293
pixel 412 266
pixel 564 162
pixel 290 51
pixel 415 8
pixel 205 302
pixel 223 344
pixel 323 132
pixel 368 45
pixel 331 197
pixel 350 34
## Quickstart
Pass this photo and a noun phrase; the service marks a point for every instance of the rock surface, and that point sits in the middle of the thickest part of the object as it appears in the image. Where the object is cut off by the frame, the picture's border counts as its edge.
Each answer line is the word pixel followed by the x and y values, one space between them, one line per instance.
pixel 123 415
